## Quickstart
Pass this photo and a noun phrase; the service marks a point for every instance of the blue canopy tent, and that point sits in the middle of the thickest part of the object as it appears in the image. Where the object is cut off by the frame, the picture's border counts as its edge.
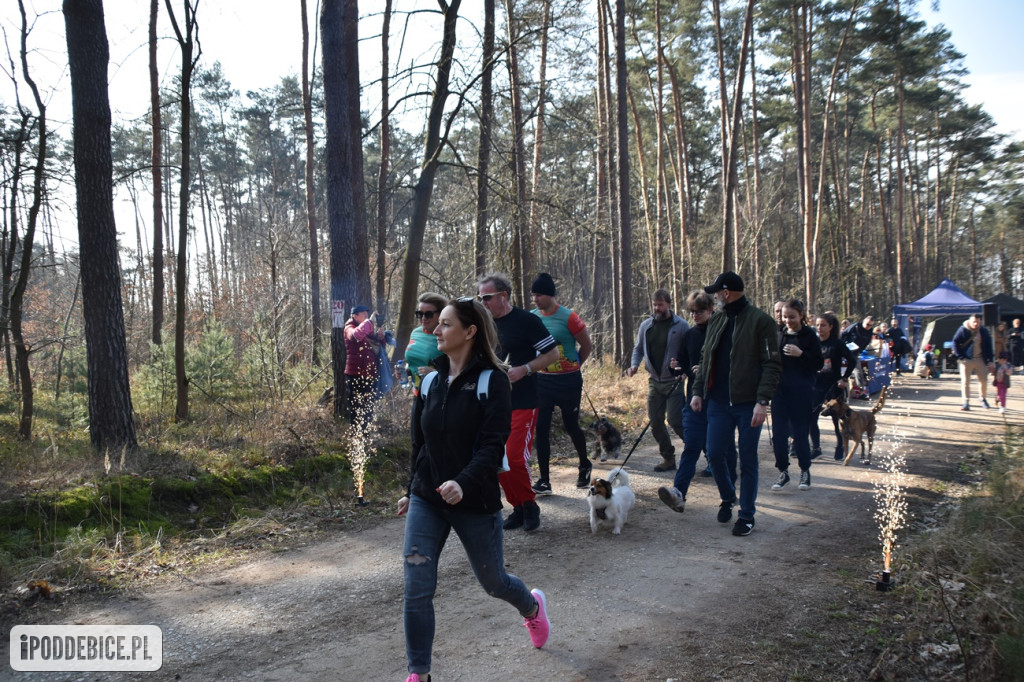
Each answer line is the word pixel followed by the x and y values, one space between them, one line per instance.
pixel 945 299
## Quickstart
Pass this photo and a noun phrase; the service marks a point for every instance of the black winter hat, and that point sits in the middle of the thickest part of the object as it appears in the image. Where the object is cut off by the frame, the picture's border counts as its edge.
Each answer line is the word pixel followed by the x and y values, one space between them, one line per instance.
pixel 544 284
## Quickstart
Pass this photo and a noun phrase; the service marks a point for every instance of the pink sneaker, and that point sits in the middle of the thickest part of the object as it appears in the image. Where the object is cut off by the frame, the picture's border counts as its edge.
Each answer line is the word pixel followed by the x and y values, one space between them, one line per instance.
pixel 415 677
pixel 539 625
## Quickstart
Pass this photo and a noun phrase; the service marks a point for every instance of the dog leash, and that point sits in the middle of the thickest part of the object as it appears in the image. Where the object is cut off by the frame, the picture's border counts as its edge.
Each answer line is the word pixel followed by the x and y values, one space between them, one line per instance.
pixel 679 381
pixel 596 415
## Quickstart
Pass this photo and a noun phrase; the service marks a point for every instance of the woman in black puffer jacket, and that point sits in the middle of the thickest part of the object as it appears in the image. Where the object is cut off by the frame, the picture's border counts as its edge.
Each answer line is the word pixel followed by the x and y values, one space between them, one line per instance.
pixel 460 422
pixel 791 406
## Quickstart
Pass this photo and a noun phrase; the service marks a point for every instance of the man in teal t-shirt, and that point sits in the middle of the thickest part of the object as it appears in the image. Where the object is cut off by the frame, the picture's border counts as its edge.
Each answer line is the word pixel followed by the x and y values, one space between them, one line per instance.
pixel 560 383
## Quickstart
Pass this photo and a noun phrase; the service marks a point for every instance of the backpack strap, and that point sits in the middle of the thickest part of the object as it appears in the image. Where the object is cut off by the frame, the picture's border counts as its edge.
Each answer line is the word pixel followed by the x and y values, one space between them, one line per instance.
pixel 425 385
pixel 483 383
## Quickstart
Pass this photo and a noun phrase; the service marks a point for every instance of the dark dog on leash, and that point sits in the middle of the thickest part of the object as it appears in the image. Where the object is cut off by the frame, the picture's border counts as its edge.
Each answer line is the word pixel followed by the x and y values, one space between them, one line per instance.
pixel 609 440
pixel 853 424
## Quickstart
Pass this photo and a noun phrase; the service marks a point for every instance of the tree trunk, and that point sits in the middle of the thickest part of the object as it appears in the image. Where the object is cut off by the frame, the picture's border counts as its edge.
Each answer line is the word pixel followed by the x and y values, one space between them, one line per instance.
pixel 186 42
pixel 653 276
pixel 158 181
pixel 428 171
pixel 522 262
pixel 350 277
pixel 110 403
pixel 625 283
pixel 538 138
pixel 730 259
pixel 723 115
pixel 483 157
pixel 310 165
pixel 383 214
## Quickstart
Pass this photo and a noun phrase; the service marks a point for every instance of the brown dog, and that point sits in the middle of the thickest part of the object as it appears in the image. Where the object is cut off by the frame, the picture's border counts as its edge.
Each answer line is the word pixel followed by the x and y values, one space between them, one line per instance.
pixel 854 423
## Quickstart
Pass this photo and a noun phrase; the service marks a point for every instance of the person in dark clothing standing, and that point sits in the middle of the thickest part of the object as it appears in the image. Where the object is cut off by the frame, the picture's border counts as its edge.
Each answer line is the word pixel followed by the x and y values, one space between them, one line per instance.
pixel 837 366
pixel 657 344
pixel 898 345
pixel 700 306
pixel 739 370
pixel 791 406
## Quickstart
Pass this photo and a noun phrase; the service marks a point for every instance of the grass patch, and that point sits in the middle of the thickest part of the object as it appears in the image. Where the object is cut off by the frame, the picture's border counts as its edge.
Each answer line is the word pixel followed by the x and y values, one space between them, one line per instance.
pixel 229 478
pixel 962 584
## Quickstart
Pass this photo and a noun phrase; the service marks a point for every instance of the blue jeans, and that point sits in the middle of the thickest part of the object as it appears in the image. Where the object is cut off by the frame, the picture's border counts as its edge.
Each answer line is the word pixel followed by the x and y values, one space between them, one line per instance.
pixel 724 420
pixel 696 426
pixel 426 529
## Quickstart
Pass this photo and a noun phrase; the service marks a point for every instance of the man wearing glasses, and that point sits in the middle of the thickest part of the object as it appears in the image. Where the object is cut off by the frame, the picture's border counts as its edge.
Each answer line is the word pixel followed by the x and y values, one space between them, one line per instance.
pixel 701 307
pixel 657 344
pixel 527 346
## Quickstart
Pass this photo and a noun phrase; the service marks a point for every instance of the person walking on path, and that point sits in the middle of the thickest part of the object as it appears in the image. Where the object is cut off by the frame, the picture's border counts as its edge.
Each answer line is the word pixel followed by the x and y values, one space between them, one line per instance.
pixel 793 403
pixel 657 343
pixel 361 347
pixel 458 440
pixel 1001 380
pixel 739 371
pixel 972 347
pixel 527 346
pixel 701 307
pixel 422 347
pixel 838 363
pixel 560 383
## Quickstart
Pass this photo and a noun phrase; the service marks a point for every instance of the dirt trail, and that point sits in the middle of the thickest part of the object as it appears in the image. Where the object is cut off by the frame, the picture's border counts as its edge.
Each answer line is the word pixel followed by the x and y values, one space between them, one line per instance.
pixel 676 596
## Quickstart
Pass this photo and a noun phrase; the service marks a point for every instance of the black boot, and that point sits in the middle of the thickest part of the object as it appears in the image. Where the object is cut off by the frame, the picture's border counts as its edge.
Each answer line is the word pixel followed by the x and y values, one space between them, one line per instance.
pixel 515 519
pixel 531 516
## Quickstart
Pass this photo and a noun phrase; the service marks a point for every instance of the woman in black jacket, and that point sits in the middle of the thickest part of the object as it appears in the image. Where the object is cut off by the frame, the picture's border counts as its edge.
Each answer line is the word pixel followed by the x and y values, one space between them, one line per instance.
pixel 839 363
pixel 791 406
pixel 459 425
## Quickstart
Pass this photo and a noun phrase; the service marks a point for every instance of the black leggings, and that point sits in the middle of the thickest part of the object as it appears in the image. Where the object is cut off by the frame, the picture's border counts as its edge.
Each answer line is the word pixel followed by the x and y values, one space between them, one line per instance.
pixel 563 391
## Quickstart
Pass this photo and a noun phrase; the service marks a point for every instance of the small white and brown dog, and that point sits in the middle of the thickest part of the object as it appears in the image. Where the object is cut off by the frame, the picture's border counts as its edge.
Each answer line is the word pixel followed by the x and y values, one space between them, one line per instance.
pixel 610 500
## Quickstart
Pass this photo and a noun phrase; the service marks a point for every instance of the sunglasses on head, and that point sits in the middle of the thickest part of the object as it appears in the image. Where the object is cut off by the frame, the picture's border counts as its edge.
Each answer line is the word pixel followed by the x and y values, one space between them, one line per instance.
pixel 488 297
pixel 428 314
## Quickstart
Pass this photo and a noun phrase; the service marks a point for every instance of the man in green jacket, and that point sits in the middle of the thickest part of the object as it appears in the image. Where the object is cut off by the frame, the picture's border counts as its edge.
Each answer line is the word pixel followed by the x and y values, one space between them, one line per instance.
pixel 739 370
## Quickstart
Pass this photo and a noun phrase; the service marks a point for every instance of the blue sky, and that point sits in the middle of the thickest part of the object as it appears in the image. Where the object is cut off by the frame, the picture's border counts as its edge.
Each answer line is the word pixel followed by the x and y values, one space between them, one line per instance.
pixel 987 33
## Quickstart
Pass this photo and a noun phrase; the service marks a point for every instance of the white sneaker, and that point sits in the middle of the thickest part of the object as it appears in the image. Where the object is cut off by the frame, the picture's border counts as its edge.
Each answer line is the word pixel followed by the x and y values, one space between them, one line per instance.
pixel 672 498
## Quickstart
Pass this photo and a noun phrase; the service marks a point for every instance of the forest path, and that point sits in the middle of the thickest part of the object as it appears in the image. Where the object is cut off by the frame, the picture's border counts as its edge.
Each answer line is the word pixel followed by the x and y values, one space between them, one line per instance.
pixel 674 596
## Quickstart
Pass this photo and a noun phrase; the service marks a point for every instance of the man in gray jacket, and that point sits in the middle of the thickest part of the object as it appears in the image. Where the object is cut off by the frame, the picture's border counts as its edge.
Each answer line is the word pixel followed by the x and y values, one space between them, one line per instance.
pixel 657 343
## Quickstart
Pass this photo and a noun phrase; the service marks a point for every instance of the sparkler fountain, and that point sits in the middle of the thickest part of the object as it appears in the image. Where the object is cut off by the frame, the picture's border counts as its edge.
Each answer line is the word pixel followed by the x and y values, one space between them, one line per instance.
pixel 891 512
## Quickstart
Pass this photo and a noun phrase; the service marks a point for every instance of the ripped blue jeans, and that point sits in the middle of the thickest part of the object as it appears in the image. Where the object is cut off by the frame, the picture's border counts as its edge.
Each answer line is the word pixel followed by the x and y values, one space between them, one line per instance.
pixel 426 530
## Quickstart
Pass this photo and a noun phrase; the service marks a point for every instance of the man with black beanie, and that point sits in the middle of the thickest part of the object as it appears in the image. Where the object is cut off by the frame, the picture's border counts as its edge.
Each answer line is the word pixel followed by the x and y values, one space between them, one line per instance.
pixel 560 383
